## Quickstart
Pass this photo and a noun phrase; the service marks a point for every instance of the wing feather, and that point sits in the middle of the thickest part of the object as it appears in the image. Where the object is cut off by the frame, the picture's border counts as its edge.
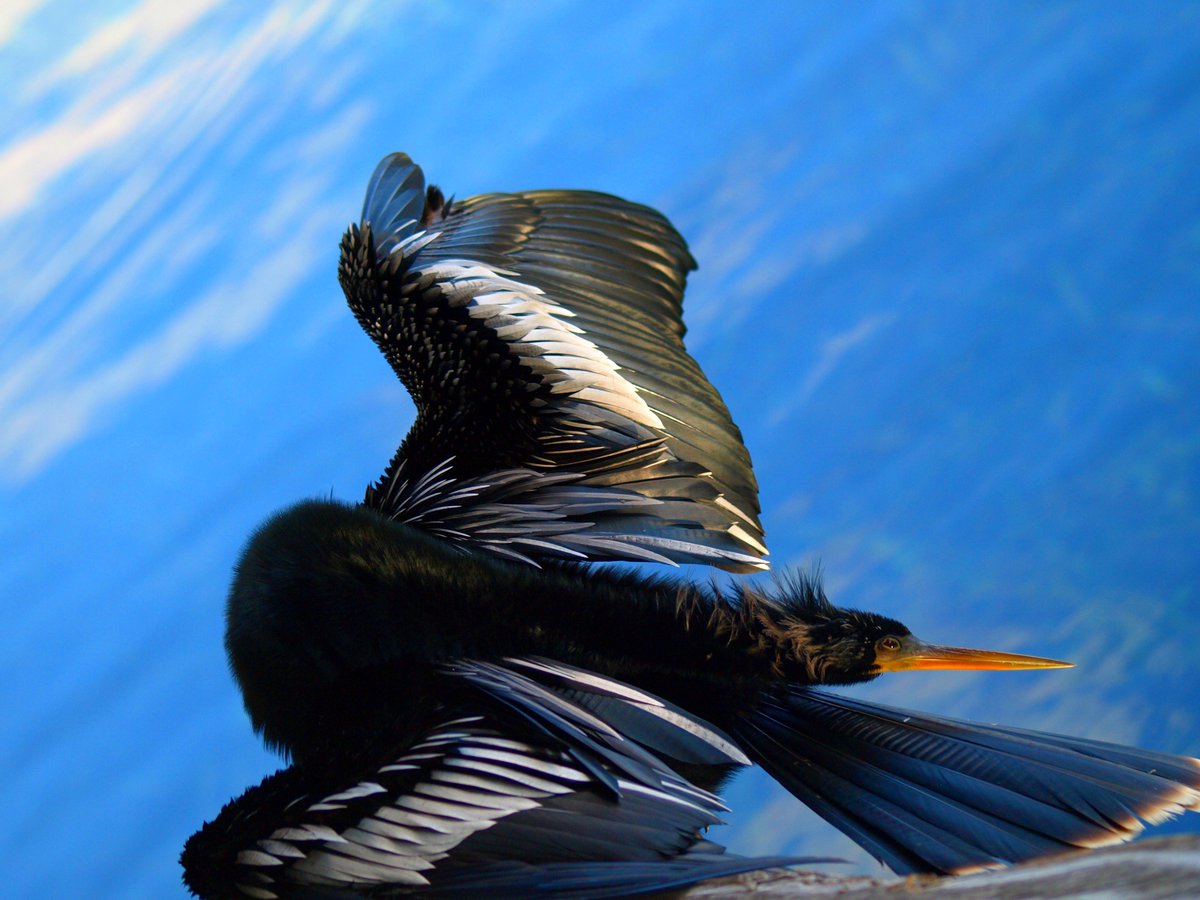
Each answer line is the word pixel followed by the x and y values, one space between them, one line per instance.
pixel 528 768
pixel 540 333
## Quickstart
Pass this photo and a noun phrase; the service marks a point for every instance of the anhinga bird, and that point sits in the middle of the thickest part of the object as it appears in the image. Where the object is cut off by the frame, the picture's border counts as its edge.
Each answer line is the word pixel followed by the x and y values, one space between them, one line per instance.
pixel 470 706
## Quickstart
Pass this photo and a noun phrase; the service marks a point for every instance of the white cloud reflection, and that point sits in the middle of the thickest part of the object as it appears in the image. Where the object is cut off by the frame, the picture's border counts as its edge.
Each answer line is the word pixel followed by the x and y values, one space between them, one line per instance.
pixel 109 207
pixel 13 14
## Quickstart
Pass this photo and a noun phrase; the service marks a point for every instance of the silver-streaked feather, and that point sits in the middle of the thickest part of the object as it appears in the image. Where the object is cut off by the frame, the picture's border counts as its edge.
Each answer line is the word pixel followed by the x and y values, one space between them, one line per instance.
pixel 559 784
pixel 558 412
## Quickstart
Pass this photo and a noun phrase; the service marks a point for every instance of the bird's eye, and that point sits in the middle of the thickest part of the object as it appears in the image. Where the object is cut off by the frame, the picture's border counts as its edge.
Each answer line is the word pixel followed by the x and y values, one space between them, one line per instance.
pixel 890 644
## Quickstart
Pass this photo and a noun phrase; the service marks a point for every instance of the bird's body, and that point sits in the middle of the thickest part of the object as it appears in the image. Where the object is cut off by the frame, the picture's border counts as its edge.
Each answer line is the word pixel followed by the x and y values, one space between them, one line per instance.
pixel 454 618
pixel 394 604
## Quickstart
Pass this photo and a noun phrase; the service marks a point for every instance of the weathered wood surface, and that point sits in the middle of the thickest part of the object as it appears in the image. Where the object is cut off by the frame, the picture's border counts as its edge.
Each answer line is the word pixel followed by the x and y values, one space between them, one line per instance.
pixel 1154 868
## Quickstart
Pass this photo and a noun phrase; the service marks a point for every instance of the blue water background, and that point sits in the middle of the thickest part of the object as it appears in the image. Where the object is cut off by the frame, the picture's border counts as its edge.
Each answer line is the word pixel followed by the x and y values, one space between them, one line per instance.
pixel 949 286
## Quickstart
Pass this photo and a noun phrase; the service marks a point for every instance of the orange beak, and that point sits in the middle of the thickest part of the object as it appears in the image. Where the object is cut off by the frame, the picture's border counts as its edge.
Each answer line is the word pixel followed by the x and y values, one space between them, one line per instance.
pixel 916 654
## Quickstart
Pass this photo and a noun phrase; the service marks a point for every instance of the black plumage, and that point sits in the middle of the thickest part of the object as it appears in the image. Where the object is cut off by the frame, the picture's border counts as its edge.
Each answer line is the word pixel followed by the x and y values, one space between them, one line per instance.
pixel 506 788
pixel 560 421
pixel 541 338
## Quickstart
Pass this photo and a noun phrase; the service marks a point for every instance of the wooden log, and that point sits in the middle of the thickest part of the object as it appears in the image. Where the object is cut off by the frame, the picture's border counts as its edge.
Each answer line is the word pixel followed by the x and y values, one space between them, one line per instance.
pixel 1155 868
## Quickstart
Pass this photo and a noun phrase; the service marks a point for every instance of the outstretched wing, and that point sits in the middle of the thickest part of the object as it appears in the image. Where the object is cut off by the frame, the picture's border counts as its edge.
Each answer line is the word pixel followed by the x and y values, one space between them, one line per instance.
pixel 517 791
pixel 558 413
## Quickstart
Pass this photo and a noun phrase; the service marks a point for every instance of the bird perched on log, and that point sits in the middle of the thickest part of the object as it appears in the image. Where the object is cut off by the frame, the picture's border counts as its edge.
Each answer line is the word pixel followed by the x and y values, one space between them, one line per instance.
pixel 469 704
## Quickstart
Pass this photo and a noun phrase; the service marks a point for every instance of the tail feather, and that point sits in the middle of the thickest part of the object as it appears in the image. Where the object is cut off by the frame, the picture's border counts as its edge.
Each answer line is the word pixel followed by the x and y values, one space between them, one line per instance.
pixel 1011 776
pixel 1112 784
pixel 1182 769
pixel 926 793
pixel 881 798
pixel 868 819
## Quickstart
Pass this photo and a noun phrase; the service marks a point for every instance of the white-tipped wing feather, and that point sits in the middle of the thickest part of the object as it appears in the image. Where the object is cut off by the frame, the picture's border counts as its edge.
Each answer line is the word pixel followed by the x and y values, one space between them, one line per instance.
pixel 519 787
pixel 540 336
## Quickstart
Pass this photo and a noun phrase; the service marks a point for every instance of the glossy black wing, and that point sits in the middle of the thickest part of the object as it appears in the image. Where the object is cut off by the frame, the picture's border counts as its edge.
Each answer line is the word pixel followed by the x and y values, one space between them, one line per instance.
pixel 519 792
pixel 558 413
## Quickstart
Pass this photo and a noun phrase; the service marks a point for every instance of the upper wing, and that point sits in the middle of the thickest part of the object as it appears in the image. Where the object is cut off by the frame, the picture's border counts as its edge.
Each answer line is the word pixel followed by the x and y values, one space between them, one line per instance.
pixel 518 790
pixel 558 413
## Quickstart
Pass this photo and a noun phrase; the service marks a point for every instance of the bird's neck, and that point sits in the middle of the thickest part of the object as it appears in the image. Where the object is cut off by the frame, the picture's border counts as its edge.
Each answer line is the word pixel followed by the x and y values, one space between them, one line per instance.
pixel 338 612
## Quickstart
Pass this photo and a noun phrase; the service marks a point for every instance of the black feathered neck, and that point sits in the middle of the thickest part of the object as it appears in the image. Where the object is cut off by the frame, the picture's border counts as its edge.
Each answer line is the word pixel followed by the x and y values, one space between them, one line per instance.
pixel 801 592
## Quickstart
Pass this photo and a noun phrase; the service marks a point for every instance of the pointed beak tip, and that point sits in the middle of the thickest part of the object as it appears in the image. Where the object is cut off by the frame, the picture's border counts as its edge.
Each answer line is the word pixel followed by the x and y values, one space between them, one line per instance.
pixel 1019 661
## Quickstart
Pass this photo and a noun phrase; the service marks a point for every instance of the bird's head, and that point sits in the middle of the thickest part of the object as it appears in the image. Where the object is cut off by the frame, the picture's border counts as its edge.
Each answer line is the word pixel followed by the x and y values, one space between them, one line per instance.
pixel 846 646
